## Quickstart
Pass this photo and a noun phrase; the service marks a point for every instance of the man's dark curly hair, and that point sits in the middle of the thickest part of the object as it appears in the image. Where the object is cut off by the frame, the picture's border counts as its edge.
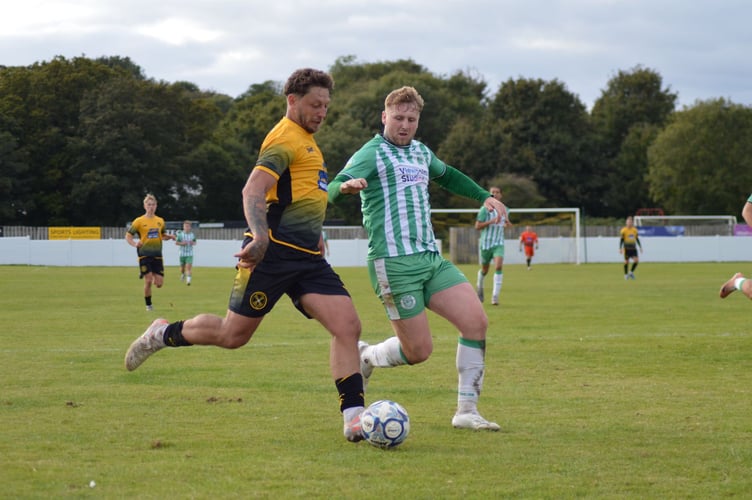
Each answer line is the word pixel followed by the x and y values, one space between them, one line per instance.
pixel 301 81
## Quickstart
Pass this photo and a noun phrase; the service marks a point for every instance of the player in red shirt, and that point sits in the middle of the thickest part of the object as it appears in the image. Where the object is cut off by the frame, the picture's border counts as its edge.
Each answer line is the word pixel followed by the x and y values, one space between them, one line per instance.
pixel 529 240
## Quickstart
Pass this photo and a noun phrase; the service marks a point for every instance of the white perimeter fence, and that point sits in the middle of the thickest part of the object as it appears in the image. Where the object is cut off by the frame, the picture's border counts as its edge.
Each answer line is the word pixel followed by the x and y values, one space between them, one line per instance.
pixel 352 252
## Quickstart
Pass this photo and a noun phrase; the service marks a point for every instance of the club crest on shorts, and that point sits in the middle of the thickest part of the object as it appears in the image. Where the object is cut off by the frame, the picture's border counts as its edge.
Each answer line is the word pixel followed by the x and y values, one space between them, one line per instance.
pixel 407 302
pixel 258 300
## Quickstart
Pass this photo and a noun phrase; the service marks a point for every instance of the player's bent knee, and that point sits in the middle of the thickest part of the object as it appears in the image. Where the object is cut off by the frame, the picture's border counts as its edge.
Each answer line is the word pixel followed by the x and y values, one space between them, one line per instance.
pixel 475 328
pixel 478 321
pixel 346 330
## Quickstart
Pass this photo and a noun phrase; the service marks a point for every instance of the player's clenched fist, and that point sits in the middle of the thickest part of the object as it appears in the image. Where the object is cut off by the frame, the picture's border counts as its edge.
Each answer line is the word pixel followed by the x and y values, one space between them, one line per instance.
pixel 353 186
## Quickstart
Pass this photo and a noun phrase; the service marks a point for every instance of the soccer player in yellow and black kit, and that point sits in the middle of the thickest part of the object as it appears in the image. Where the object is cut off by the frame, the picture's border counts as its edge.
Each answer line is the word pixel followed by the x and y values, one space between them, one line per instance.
pixel 150 229
pixel 628 244
pixel 284 201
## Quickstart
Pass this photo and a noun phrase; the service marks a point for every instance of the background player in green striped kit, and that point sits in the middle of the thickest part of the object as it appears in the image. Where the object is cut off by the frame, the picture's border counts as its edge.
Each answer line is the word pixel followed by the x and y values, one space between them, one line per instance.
pixel 391 172
pixel 491 246
pixel 186 240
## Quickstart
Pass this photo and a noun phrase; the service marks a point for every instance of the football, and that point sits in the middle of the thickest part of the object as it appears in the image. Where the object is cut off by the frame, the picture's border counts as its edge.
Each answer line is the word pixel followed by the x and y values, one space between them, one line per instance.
pixel 385 424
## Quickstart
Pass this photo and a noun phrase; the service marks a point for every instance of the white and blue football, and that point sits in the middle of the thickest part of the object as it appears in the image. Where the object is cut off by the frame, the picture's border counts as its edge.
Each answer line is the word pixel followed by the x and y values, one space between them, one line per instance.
pixel 385 424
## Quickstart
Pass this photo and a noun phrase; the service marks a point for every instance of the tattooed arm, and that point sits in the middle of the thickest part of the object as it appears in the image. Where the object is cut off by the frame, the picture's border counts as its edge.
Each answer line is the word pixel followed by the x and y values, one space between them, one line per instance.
pixel 254 206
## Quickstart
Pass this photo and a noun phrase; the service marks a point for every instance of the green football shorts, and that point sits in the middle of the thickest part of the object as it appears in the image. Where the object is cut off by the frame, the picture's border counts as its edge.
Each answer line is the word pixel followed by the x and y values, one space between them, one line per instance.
pixel 486 256
pixel 405 284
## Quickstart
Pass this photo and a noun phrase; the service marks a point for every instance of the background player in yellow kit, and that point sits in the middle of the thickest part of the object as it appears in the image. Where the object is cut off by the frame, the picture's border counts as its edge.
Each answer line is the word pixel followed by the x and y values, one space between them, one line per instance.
pixel 628 244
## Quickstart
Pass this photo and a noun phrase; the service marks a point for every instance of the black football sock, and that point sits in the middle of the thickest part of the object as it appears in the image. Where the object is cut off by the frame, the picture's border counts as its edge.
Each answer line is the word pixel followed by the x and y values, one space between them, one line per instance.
pixel 350 391
pixel 173 335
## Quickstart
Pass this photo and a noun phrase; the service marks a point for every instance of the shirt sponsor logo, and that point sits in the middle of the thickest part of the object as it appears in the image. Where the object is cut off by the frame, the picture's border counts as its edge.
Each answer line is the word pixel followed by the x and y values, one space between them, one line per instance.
pixel 323 180
pixel 412 175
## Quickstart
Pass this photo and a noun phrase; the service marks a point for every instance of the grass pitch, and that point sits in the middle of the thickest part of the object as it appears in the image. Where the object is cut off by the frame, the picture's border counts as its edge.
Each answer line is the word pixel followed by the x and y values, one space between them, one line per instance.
pixel 603 388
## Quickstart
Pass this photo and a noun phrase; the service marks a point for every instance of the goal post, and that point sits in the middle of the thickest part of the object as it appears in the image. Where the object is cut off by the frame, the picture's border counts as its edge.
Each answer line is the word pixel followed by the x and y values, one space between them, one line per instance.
pixel 465 217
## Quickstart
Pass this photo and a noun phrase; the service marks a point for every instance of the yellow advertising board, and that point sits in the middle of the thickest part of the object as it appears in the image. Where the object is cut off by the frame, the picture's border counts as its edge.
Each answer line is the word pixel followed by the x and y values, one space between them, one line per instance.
pixel 74 233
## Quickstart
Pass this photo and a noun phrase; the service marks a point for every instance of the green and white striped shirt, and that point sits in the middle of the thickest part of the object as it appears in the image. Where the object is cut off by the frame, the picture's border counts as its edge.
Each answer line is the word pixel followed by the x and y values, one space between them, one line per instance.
pixel 395 205
pixel 493 234
pixel 183 237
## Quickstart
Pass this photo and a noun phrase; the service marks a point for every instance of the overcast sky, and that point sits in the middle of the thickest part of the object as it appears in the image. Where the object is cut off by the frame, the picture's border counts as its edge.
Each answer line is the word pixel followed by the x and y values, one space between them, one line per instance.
pixel 701 48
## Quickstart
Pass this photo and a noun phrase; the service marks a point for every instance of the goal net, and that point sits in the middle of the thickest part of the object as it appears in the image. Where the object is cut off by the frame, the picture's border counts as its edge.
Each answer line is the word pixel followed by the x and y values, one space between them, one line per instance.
pixel 558 231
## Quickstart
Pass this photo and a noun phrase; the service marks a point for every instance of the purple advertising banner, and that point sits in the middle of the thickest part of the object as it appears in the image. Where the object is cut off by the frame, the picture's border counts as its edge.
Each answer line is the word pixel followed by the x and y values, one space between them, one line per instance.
pixel 660 230
pixel 742 230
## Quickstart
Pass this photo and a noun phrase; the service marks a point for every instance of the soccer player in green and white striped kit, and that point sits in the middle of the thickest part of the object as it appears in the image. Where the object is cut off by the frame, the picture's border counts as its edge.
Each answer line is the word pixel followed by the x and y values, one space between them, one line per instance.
pixel 186 240
pixel 391 172
pixel 491 247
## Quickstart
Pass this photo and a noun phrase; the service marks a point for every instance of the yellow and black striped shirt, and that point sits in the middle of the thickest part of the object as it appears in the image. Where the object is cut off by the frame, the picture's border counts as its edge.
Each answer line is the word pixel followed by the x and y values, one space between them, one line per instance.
pixel 296 207
pixel 629 238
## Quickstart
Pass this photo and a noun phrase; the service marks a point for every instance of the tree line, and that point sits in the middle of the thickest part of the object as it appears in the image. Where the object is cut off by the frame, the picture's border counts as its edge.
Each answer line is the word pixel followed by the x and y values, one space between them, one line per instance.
pixel 82 140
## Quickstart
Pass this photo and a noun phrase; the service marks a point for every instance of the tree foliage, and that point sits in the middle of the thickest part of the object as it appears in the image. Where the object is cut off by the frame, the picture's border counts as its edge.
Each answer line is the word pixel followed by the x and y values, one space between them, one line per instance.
pixel 40 109
pixel 82 140
pixel 625 118
pixel 701 163
pixel 544 135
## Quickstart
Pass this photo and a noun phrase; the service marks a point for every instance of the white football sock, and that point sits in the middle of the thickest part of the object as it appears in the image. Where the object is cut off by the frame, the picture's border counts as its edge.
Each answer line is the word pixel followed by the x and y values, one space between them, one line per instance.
pixel 471 368
pixel 498 280
pixel 385 354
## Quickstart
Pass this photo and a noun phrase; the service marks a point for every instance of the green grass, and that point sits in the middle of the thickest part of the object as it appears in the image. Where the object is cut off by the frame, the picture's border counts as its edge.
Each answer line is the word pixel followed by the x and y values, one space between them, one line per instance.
pixel 603 388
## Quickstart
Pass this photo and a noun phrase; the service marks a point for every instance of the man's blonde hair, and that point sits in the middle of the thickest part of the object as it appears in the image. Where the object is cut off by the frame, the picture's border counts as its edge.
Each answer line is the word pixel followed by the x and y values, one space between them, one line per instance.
pixel 150 196
pixel 404 95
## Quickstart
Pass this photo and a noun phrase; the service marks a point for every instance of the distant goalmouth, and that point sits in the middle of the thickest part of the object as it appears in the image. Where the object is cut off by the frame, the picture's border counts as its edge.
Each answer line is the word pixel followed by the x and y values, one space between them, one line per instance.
pixel 574 212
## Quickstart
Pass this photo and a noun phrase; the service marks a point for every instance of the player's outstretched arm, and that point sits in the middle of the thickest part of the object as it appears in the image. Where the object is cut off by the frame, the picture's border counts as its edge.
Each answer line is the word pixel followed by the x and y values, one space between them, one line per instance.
pixel 342 185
